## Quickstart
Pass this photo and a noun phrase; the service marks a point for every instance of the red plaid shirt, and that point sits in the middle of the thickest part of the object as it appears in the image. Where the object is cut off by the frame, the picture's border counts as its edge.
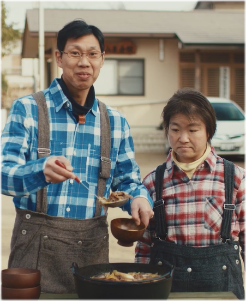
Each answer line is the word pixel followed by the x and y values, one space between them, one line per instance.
pixel 194 208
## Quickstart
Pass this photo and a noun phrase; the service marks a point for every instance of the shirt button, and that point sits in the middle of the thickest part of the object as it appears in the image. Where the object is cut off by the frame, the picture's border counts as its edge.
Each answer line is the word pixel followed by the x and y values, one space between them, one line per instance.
pixel 159 262
pixel 68 209
pixel 71 181
pixel 105 237
pixel 237 261
pixel 189 270
pixel 28 216
pixel 235 247
pixel 23 232
pixel 74 153
pixel 79 242
pixel 45 237
pixel 224 267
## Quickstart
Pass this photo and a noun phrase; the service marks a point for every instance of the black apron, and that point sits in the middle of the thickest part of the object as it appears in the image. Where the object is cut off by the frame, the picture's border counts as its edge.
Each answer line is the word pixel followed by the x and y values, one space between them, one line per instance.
pixel 199 269
pixel 50 243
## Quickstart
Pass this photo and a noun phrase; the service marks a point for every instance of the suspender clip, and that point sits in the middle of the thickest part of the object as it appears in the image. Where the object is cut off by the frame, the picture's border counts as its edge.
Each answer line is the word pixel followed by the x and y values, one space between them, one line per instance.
pixel 105 167
pixel 107 160
pixel 155 237
pixel 43 150
pixel 158 203
pixel 229 206
pixel 225 240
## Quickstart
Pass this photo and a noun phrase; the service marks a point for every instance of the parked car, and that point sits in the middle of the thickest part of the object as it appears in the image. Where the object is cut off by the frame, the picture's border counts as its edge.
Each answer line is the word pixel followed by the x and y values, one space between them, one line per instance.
pixel 229 138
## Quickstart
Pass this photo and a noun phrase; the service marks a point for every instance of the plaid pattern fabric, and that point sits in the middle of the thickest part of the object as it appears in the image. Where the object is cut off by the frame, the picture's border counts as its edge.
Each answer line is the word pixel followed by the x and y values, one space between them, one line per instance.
pixel 194 208
pixel 22 172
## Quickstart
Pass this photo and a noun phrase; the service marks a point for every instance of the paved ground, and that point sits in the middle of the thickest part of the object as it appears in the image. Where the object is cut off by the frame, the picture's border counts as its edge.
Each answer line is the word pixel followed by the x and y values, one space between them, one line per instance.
pixel 146 161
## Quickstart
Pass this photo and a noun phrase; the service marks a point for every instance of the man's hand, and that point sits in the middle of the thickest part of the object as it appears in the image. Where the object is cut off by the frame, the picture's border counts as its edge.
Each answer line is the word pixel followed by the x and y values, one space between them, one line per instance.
pixel 141 210
pixel 56 174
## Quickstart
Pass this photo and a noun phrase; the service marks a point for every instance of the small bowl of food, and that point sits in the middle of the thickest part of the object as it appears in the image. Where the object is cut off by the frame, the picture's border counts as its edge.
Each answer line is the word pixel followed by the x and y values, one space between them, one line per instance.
pixel 126 231
pixel 20 278
pixel 115 199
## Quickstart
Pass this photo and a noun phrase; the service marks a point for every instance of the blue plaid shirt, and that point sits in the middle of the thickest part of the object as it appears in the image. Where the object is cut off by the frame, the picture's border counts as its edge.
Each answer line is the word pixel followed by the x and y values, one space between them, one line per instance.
pixel 22 171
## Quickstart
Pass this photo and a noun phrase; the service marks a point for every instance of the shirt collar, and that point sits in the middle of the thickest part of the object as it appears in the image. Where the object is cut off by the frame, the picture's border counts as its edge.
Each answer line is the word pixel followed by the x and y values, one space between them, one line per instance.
pixel 211 159
pixel 210 162
pixel 77 108
pixel 60 98
pixel 95 108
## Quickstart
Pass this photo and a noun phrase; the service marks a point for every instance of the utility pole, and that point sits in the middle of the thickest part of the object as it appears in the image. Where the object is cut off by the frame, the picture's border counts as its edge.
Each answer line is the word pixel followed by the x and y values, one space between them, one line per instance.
pixel 41 45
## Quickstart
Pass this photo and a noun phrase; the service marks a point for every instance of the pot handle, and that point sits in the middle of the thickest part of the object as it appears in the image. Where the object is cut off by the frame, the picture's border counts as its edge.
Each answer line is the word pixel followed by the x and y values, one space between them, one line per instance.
pixel 171 272
pixel 74 267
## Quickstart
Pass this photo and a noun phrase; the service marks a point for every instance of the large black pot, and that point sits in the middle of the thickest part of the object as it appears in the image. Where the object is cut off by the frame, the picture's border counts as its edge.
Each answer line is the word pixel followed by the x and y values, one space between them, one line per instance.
pixel 156 288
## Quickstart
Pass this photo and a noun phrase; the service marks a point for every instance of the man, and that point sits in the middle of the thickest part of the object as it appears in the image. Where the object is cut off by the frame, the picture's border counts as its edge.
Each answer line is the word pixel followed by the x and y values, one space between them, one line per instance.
pixel 58 220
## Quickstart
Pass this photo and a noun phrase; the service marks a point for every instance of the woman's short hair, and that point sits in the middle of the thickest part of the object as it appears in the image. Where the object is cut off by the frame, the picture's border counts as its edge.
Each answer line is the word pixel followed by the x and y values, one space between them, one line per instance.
pixel 191 103
pixel 77 29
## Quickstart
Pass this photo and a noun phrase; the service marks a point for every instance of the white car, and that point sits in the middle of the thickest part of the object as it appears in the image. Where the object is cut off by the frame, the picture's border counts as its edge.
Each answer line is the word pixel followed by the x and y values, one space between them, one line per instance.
pixel 230 132
pixel 229 138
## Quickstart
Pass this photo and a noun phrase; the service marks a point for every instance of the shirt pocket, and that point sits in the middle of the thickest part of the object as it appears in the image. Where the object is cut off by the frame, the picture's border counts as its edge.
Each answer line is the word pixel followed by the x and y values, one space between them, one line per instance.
pixel 212 215
pixel 93 162
pixel 58 148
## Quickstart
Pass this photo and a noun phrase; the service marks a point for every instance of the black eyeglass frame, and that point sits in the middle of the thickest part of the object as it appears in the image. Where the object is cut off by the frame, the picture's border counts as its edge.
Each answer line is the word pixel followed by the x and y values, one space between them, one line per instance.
pixel 81 55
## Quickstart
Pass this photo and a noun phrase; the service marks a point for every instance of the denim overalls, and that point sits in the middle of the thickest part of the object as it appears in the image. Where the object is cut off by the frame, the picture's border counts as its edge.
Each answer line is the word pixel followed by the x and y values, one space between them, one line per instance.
pixel 200 269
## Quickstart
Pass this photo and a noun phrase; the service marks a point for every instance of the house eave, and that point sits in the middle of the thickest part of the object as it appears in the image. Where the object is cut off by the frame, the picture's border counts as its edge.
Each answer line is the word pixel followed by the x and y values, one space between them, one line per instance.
pixel 117 35
pixel 214 46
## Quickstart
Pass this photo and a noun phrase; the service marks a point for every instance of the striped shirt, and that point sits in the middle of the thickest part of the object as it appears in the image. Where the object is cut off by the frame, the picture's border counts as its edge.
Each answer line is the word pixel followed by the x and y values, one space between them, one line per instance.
pixel 194 207
pixel 22 171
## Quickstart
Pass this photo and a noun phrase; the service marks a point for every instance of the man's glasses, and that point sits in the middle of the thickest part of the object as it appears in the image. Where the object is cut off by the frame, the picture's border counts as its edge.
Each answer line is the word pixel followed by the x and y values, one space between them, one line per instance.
pixel 91 55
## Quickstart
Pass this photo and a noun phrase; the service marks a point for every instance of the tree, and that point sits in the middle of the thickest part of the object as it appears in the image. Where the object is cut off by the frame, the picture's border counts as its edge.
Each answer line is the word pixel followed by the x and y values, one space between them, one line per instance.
pixel 10 36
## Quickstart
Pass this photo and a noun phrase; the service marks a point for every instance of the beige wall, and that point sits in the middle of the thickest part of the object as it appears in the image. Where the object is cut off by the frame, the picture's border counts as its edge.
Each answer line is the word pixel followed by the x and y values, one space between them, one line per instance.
pixel 161 81
pixel 160 76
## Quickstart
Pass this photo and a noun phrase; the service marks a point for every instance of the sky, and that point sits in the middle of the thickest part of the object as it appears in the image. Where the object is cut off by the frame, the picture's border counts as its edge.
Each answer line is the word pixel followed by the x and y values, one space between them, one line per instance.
pixel 16 10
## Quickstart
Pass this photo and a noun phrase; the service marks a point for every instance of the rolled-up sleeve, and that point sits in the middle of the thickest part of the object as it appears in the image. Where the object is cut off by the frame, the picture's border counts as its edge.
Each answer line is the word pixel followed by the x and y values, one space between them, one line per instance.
pixel 127 174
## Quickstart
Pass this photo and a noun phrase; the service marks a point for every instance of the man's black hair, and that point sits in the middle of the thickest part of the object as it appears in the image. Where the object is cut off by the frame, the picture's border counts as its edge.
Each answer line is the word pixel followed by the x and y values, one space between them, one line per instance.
pixel 77 29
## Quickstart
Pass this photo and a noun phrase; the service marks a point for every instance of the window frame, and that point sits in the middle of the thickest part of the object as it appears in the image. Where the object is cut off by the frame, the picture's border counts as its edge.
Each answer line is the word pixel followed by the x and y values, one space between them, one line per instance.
pixel 126 59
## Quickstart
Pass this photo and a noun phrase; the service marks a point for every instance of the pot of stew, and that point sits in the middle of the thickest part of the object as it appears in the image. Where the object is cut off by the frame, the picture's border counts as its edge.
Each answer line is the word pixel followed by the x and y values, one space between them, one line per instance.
pixel 123 281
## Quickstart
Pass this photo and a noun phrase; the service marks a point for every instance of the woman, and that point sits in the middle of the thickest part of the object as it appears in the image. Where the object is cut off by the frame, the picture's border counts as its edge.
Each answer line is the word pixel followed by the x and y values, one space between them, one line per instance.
pixel 197 227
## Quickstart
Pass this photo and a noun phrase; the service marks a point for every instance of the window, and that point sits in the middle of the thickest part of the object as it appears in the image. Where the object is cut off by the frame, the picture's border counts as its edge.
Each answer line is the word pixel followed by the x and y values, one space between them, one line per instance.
pixel 121 77
pixel 227 111
pixel 210 65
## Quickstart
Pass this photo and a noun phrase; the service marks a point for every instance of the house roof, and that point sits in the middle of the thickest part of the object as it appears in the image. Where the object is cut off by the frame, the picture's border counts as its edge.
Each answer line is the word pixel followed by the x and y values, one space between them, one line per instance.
pixel 190 27
pixel 209 4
